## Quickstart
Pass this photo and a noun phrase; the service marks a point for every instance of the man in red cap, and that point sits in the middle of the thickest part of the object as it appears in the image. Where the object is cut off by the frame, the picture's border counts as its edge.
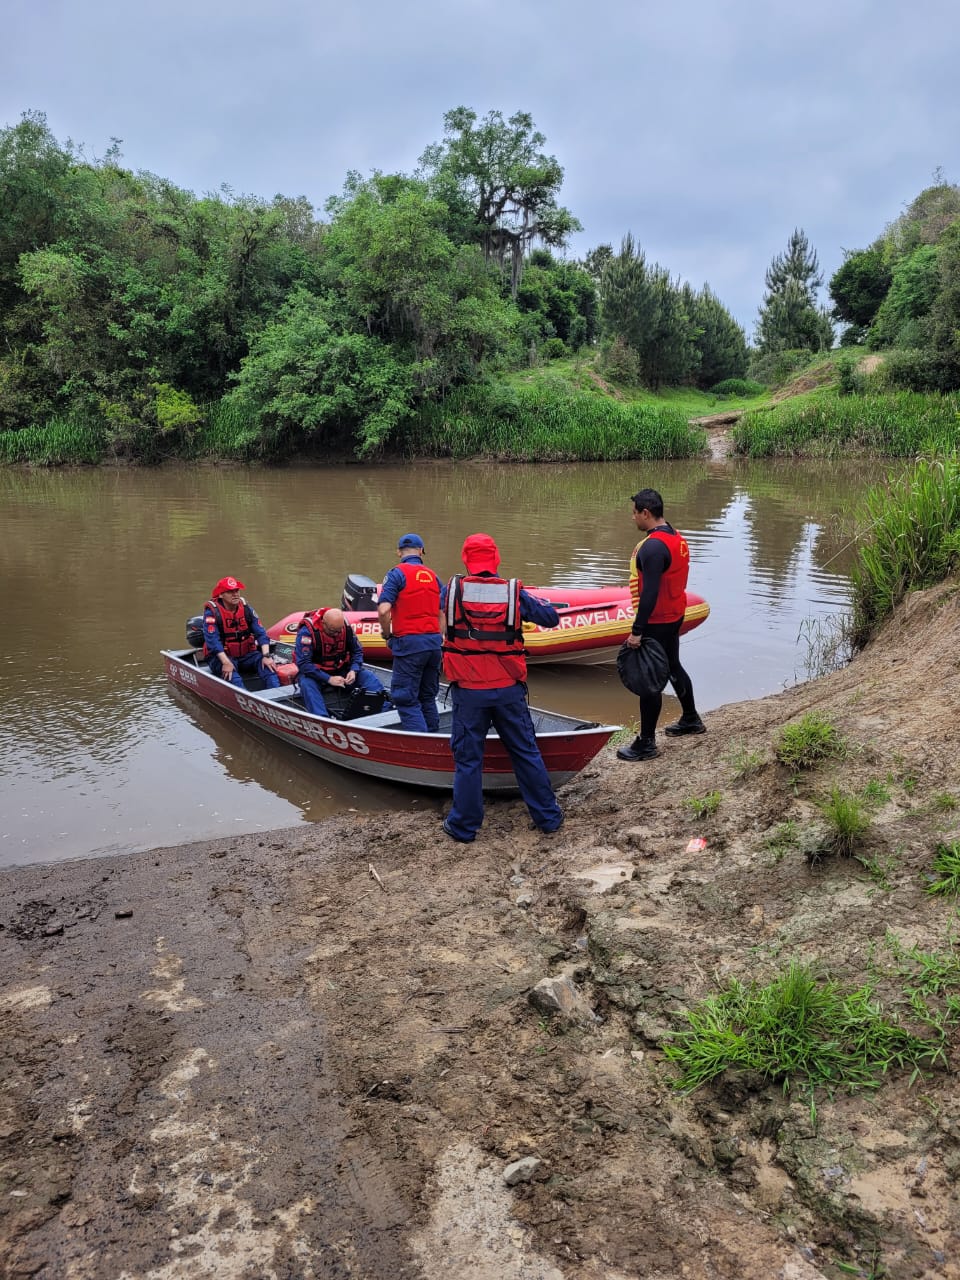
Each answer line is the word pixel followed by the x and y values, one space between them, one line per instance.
pixel 234 639
pixel 483 658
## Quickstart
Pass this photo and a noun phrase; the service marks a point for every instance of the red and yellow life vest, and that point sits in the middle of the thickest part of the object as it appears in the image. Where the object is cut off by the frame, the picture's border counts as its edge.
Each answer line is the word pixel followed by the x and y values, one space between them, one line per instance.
pixel 416 610
pixel 235 634
pixel 483 648
pixel 672 598
pixel 330 653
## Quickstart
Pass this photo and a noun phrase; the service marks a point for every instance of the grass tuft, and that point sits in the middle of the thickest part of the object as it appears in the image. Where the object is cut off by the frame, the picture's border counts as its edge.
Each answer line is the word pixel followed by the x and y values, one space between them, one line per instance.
pixel 807 742
pixel 797 1029
pixel 946 867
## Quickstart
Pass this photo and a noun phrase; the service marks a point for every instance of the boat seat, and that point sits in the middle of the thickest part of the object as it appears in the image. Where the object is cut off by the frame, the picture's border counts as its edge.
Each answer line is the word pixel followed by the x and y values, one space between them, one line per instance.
pixel 285 693
pixel 382 720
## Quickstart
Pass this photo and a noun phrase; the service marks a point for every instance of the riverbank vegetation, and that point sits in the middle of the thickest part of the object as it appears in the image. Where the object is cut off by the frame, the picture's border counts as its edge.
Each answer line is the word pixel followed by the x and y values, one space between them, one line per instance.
pixel 143 322
pixel 435 313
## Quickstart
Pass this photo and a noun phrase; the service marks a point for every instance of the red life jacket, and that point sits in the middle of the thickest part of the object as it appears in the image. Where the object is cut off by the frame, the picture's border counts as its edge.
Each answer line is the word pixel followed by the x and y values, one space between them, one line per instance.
pixel 672 598
pixel 416 610
pixel 330 653
pixel 235 634
pixel 483 648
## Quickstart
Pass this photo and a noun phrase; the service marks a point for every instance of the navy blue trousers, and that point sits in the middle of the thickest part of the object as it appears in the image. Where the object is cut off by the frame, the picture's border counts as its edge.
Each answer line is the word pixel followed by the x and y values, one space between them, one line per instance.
pixel 413 690
pixel 474 712
pixel 251 664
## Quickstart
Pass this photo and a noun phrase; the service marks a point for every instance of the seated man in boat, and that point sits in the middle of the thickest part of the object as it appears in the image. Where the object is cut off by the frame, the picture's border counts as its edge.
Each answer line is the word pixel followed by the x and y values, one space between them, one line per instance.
pixel 328 653
pixel 234 639
pixel 483 658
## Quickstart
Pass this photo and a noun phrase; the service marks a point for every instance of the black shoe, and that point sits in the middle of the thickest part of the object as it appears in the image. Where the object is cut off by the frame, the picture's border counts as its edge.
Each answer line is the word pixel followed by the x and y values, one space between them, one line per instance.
pixel 547 831
pixel 453 835
pixel 684 726
pixel 639 749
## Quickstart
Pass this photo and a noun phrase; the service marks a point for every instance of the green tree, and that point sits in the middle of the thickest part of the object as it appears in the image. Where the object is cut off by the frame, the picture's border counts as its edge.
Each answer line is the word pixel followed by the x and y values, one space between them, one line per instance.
pixel 789 318
pixel 308 383
pixel 912 293
pixel 859 286
pixel 721 342
pixel 499 186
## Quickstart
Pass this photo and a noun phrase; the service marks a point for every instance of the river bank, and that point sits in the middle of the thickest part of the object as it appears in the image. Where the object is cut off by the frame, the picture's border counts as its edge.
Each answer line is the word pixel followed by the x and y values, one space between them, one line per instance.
pixel 314 1053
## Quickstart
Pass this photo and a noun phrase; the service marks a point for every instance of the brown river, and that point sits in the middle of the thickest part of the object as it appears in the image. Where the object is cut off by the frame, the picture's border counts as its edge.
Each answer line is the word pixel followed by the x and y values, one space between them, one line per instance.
pixel 100 568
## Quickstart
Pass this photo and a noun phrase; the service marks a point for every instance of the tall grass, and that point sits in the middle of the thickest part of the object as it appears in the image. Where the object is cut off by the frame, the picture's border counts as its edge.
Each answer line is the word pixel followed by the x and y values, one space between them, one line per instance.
pixel 228 432
pixel 911 540
pixel 896 425
pixel 60 443
pixel 547 424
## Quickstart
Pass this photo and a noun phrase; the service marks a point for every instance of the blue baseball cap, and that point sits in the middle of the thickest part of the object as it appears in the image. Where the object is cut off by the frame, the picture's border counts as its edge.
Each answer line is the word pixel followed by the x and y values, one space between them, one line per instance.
pixel 410 540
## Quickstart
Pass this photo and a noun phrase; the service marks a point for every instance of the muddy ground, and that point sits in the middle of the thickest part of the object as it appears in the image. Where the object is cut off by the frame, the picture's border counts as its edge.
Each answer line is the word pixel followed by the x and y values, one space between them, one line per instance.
pixel 255 1058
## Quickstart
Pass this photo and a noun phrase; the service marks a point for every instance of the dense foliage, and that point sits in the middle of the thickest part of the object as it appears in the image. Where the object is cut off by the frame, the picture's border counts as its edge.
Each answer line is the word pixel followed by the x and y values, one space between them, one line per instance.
pixel 140 320
pixel 660 332
pixel 902 294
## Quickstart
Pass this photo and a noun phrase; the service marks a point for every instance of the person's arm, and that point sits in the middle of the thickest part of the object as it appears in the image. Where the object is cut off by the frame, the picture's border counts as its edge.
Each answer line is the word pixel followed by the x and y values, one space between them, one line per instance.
pixel 260 635
pixel 303 657
pixel 539 611
pixel 391 587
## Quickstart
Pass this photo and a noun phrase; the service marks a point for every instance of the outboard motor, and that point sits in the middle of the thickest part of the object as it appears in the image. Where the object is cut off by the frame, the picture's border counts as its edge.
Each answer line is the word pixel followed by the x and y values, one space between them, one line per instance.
pixel 359 594
pixel 195 631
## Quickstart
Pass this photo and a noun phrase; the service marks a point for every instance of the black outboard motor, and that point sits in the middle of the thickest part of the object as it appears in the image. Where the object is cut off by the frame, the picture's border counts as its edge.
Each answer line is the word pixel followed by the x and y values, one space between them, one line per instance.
pixel 195 631
pixel 359 594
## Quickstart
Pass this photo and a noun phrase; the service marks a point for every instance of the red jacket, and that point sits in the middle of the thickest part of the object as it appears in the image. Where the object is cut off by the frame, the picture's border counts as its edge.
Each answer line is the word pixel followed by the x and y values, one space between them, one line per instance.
pixel 236 634
pixel 483 648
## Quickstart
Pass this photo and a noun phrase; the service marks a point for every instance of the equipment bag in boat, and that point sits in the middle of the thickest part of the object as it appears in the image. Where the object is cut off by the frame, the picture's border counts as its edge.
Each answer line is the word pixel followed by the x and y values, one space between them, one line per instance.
pixel 644 670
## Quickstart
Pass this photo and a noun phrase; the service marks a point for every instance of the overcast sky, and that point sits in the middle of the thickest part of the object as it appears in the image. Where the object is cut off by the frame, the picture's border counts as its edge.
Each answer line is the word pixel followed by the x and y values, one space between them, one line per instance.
pixel 708 129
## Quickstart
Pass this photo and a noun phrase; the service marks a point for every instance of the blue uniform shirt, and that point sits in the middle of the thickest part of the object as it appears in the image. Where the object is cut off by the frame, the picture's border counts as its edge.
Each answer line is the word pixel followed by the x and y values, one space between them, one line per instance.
pixel 392 585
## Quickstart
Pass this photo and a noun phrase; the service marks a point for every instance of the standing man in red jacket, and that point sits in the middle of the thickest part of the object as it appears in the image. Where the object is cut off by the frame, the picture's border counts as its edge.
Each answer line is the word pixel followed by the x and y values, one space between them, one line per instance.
pixel 409 612
pixel 483 658
pixel 659 568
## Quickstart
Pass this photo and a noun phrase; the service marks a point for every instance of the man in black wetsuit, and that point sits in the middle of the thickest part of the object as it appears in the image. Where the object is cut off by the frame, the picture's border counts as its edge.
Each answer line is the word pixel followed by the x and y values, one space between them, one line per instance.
pixel 658 588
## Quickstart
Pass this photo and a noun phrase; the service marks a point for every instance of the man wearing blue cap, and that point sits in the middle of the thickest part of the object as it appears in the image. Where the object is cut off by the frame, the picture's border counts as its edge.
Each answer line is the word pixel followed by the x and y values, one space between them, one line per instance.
pixel 409 611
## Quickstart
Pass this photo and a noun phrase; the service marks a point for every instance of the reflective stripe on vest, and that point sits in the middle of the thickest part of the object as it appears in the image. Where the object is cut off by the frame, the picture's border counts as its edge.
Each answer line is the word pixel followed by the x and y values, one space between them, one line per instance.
pixel 483 648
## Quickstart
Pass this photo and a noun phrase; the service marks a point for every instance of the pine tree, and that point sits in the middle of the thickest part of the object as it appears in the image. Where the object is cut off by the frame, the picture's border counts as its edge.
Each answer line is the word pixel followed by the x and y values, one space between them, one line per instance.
pixel 790 318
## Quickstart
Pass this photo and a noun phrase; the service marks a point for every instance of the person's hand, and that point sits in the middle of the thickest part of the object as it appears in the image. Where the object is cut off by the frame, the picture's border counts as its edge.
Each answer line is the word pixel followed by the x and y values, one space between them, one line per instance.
pixel 270 663
pixel 350 677
pixel 337 681
pixel 634 642
pixel 226 668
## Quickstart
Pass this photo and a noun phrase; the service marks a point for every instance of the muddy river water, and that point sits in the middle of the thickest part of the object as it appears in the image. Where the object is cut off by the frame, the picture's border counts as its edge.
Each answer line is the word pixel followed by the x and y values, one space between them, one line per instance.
pixel 99 570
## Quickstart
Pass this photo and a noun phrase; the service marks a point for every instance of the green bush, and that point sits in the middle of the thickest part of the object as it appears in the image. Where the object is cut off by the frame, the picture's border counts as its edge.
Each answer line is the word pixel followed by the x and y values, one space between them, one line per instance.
pixel 554 348
pixel 913 369
pixel 737 387
pixel 778 366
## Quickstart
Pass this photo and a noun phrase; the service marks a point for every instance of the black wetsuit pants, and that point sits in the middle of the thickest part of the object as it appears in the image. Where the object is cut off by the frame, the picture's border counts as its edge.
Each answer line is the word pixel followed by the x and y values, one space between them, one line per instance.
pixel 668 633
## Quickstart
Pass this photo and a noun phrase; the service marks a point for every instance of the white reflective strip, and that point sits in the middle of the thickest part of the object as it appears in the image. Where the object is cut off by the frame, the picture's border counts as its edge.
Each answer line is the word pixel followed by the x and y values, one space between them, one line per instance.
pixel 485 592
pixel 512 605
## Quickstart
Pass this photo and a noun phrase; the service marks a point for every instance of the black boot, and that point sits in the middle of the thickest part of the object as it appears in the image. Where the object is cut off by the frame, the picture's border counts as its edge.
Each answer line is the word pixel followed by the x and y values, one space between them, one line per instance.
pixel 685 725
pixel 639 749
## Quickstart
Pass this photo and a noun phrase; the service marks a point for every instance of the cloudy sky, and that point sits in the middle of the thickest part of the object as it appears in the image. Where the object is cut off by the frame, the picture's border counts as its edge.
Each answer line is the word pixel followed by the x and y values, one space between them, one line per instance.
pixel 708 129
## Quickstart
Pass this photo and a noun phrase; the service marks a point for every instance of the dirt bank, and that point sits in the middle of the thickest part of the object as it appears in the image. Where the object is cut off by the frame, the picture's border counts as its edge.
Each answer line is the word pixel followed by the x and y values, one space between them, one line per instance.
pixel 254 1058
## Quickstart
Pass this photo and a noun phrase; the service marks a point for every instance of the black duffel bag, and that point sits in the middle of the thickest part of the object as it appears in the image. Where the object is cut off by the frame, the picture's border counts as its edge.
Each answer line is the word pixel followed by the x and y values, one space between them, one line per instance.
pixel 644 670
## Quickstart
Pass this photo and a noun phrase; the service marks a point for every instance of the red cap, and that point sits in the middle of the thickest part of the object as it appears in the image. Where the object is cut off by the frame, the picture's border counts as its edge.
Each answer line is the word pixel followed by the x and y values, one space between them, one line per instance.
pixel 480 554
pixel 227 584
